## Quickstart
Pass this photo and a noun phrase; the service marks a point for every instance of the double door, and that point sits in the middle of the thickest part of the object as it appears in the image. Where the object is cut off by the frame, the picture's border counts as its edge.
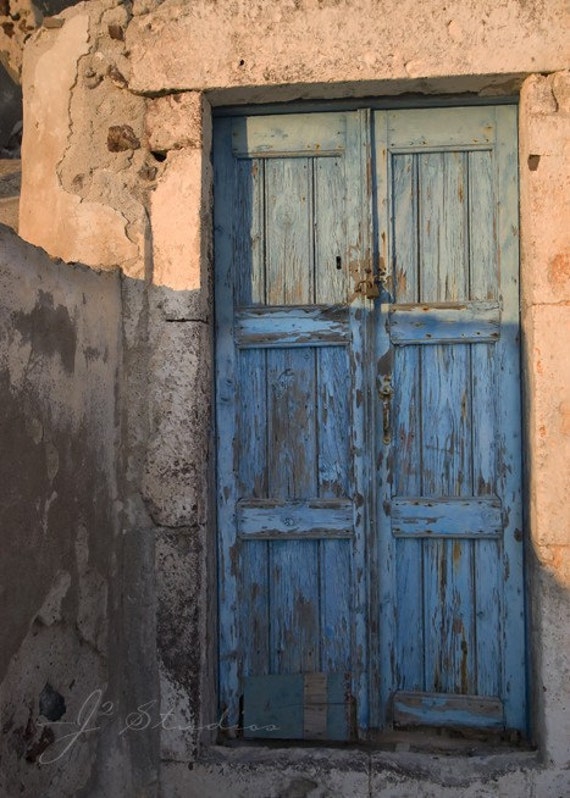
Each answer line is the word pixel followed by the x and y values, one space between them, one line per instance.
pixel 368 422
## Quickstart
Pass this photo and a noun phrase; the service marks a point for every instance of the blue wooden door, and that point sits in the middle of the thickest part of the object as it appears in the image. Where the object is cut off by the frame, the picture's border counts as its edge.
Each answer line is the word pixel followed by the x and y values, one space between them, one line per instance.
pixel 449 505
pixel 368 461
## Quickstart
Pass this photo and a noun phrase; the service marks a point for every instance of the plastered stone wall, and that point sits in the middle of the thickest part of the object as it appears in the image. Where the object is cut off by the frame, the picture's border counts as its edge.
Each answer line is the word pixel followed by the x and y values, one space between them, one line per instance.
pixel 545 238
pixel 61 570
pixel 123 126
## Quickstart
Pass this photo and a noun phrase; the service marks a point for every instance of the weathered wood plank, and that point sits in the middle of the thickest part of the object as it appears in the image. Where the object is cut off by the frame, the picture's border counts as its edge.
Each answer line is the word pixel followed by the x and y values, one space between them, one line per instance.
pixel 404 244
pixel 477 517
pixel 304 706
pixel 508 443
pixel 315 706
pixel 288 232
pixel 293 135
pixel 455 251
pixel 273 707
pixel 336 605
pixel 435 621
pixel 270 519
pixel 483 254
pixel 296 326
pixel 488 612
pixel 431 709
pixel 461 641
pixel 410 642
pixel 329 226
pixel 254 616
pixel 226 385
pixel 433 324
pixel 251 415
pixel 249 233
pixel 333 421
pixel 462 128
pixel 294 606
pixel 292 433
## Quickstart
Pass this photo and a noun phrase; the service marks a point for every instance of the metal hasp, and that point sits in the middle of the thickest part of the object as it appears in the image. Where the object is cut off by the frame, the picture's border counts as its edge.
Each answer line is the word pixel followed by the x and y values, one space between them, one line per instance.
pixel 385 392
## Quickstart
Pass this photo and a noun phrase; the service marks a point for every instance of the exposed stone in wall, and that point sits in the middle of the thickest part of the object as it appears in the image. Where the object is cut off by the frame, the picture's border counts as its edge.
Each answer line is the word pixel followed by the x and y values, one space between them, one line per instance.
pixel 10 116
pixel 10 178
pixel 18 20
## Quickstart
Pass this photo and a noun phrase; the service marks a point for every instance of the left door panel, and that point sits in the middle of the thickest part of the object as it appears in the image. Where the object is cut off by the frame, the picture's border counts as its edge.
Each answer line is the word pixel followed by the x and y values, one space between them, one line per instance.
pixel 289 240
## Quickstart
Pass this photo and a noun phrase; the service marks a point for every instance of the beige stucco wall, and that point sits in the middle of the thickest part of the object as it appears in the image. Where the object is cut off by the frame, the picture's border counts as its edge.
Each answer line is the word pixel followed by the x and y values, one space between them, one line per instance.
pixel 116 148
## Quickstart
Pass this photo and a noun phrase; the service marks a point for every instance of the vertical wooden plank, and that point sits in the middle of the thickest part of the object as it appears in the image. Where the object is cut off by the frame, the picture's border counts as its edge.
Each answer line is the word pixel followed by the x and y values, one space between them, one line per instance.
pixel 335 582
pixel 445 420
pixel 333 421
pixel 509 420
pixel 488 611
pixel 446 457
pixel 331 262
pixel 292 433
pixel 443 253
pixel 294 602
pixel 410 643
pixel 391 224
pixel 430 227
pixel 436 627
pixel 487 554
pixel 294 574
pixel 454 263
pixel 407 482
pixel 450 647
pixel 407 417
pixel 289 234
pixel 405 227
pixel 254 608
pixel 226 384
pixel 484 388
pixel 358 171
pixel 251 402
pixel 462 640
pixel 249 212
pixel 483 255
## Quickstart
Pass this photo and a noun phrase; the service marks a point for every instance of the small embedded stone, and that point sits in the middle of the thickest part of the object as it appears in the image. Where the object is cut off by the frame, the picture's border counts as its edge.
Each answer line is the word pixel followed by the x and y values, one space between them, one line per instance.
pixel 116 32
pixel 533 161
pixel 92 78
pixel 116 77
pixel 121 138
pixel 53 22
pixel 147 172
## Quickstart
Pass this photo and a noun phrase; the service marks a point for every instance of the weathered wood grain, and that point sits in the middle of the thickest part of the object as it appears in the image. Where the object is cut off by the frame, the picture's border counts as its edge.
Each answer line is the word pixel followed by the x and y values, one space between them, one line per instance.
pixel 482 712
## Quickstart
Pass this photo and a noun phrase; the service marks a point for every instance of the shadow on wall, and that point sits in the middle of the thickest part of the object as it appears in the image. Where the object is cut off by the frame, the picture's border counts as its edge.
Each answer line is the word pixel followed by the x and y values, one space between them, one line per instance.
pixel 62 568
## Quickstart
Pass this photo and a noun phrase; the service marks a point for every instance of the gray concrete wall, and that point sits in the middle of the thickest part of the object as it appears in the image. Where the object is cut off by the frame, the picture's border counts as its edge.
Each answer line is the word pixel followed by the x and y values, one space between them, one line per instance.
pixel 63 656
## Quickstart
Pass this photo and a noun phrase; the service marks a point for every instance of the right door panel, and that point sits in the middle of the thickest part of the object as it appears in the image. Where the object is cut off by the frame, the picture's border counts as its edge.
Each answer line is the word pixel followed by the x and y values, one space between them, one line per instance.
pixel 449 530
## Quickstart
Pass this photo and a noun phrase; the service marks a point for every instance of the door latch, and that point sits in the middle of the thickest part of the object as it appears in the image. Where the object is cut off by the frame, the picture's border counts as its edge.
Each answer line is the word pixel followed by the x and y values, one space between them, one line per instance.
pixel 369 287
pixel 385 392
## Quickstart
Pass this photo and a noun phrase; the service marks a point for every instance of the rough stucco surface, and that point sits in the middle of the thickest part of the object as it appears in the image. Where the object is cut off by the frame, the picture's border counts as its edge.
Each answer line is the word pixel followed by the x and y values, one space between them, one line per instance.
pixel 117 145
pixel 311 41
pixel 545 206
pixel 86 180
pixel 61 565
